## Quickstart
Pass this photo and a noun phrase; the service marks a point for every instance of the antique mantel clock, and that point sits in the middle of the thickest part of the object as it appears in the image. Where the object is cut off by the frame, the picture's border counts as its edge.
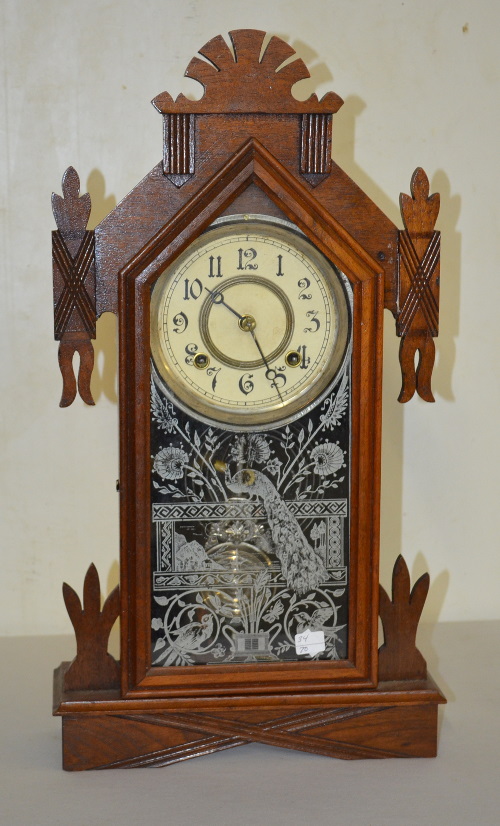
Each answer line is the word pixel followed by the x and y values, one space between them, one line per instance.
pixel 249 275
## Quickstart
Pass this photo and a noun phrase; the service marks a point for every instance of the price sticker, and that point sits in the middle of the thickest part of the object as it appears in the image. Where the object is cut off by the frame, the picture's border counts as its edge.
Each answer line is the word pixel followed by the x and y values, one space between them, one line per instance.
pixel 310 642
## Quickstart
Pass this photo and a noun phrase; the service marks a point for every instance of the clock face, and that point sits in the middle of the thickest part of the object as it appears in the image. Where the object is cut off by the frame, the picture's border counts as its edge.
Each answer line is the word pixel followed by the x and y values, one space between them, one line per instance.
pixel 249 326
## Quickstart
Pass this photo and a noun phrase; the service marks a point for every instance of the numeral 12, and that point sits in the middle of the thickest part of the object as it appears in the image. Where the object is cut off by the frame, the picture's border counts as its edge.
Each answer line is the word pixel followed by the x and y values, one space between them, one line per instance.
pixel 249 254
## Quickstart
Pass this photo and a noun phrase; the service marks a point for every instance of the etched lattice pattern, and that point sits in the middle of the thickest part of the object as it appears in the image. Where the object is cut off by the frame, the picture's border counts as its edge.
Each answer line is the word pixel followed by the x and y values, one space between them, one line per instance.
pixel 226 510
pixel 335 541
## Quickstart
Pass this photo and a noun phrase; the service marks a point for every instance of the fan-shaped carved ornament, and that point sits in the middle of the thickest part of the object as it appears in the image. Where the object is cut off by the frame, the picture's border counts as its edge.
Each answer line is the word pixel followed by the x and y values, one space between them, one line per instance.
pixel 264 84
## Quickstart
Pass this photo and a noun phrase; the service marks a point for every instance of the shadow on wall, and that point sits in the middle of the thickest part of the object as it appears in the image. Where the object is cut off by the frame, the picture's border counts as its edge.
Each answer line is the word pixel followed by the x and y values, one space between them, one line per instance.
pixel 391 527
pixel 104 377
pixel 449 310
pixel 102 204
pixel 320 73
pixel 425 635
pixel 112 581
pixel 393 413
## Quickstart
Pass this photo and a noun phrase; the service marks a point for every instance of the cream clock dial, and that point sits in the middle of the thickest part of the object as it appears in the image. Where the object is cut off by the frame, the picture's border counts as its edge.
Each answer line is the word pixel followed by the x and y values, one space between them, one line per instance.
pixel 250 325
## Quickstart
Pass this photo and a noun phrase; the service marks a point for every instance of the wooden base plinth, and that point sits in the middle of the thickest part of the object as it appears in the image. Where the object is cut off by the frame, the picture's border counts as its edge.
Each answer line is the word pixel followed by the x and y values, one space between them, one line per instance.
pixel 101 730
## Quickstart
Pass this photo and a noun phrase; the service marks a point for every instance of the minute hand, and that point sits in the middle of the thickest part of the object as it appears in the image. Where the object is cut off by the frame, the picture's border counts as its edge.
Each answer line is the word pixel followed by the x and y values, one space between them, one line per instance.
pixel 218 298
pixel 268 369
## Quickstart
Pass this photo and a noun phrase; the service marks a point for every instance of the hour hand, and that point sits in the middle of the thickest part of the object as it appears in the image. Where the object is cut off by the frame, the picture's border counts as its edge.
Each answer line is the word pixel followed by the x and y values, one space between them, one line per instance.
pixel 218 298
pixel 247 323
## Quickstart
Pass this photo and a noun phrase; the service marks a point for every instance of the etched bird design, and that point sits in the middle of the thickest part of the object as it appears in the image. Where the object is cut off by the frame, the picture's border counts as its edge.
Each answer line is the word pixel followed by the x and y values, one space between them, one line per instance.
pixel 302 566
pixel 316 622
pixel 190 637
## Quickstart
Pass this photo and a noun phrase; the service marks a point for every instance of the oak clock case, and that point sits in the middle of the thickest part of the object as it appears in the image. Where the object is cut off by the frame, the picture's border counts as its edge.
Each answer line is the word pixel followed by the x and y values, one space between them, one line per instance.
pixel 250 439
pixel 229 584
pixel 249 275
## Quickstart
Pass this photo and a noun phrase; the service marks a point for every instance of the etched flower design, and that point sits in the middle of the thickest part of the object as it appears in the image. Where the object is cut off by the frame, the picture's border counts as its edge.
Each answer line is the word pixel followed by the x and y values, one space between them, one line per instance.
pixel 237 449
pixel 162 411
pixel 168 422
pixel 253 449
pixel 336 405
pixel 274 466
pixel 169 462
pixel 218 651
pixel 258 449
pixel 327 458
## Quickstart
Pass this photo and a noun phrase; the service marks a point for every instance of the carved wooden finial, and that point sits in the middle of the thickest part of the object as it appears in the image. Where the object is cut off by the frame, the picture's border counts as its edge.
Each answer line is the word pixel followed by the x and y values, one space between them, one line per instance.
pixel 73 264
pixel 72 343
pixel 418 298
pixel 93 667
pixel 72 211
pixel 261 83
pixel 420 211
pixel 399 658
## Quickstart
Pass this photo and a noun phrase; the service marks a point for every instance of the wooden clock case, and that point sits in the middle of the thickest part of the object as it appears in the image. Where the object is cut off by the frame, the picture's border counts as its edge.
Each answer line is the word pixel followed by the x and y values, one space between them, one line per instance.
pixel 247 146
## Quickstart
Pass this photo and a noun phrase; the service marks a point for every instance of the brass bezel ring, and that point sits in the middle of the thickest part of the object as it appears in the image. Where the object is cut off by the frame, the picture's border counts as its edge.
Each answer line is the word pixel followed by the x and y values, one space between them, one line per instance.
pixel 209 303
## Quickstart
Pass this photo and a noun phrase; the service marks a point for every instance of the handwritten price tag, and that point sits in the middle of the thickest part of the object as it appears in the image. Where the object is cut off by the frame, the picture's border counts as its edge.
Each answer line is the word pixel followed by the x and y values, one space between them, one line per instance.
pixel 310 642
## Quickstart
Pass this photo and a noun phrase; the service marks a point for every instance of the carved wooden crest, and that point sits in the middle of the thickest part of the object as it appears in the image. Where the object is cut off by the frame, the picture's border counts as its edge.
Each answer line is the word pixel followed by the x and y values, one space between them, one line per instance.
pixel 264 83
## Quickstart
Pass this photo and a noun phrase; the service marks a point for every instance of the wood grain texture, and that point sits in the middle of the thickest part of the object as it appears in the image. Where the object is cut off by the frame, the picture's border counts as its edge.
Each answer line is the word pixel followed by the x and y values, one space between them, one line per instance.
pixel 395 720
pixel 156 201
pixel 72 211
pixel 252 165
pixel 399 658
pixel 417 319
pixel 178 148
pixel 73 262
pixel 72 343
pixel 316 147
pixel 92 667
pixel 263 84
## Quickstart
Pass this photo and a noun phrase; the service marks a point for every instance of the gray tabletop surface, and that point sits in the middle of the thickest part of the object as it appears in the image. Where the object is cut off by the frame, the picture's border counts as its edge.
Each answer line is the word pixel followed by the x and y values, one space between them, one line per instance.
pixel 258 784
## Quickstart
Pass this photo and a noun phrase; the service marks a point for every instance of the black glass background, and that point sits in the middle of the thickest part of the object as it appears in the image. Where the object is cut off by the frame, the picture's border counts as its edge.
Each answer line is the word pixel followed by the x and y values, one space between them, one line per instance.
pixel 250 536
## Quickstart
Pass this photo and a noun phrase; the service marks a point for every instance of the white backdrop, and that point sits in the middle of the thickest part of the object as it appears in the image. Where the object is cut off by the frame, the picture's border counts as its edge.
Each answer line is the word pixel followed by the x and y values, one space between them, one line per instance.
pixel 421 84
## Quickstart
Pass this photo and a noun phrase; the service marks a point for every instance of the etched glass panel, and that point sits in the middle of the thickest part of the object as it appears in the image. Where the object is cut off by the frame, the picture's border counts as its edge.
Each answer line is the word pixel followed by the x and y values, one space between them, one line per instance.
pixel 249 535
